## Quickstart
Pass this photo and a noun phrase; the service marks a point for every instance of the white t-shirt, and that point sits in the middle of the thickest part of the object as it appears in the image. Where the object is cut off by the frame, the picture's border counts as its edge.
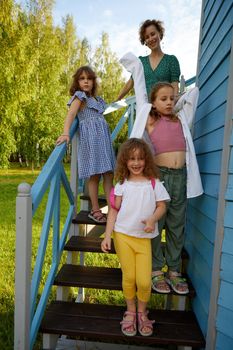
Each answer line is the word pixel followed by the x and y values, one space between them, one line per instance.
pixel 138 203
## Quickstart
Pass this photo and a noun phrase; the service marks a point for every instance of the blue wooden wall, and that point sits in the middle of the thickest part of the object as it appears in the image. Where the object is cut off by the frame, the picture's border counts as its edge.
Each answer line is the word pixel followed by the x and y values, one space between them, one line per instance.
pixel 224 321
pixel 213 81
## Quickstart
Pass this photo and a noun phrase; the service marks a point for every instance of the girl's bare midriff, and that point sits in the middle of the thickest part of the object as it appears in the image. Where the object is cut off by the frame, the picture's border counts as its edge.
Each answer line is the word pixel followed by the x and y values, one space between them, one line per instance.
pixel 174 160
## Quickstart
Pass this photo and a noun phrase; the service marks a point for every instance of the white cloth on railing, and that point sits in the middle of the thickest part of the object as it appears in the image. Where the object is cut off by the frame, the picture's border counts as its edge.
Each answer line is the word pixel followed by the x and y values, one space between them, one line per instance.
pixel 135 67
pixel 187 105
pixel 114 106
pixel 185 108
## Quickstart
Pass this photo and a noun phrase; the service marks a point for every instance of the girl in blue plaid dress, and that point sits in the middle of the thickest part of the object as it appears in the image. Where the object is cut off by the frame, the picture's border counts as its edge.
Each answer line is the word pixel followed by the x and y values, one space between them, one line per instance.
pixel 95 152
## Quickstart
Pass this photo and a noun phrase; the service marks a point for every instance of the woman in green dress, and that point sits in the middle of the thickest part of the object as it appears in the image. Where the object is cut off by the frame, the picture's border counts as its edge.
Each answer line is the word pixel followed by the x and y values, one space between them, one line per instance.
pixel 158 66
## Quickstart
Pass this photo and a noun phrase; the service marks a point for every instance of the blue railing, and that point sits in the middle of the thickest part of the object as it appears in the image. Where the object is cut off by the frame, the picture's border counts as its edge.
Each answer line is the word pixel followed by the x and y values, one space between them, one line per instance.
pixel 51 177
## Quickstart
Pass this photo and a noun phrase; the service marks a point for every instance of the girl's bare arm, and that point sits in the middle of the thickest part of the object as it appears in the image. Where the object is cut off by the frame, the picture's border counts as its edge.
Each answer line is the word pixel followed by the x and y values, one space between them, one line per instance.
pixel 106 242
pixel 127 87
pixel 72 112
pixel 160 210
pixel 112 215
pixel 150 124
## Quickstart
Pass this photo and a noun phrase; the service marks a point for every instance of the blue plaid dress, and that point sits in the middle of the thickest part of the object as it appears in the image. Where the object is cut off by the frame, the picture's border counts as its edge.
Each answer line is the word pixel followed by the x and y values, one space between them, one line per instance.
pixel 95 151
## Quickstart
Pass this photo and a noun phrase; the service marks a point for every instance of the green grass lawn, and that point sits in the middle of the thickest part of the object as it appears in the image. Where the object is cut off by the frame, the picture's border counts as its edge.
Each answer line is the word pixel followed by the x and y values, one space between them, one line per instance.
pixel 9 181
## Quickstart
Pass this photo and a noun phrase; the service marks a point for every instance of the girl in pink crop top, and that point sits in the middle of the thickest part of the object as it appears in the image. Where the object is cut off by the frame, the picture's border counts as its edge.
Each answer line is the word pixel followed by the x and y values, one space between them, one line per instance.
pixel 163 126
pixel 167 136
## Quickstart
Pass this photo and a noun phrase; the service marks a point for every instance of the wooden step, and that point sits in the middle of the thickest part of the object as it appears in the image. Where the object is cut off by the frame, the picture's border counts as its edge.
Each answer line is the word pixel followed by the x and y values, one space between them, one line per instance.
pixel 97 277
pixel 86 244
pixel 92 244
pixel 101 199
pixel 98 322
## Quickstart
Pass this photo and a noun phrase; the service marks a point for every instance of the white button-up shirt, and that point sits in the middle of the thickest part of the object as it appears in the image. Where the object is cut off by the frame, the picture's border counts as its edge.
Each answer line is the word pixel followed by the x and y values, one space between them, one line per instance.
pixel 185 109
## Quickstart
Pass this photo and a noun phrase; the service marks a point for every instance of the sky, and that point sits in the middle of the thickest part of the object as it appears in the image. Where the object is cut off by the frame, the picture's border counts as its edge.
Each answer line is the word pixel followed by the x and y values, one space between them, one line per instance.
pixel 121 20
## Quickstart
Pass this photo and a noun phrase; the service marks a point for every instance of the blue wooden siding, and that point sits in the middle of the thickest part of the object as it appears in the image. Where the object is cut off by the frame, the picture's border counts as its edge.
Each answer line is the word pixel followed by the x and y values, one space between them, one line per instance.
pixel 224 322
pixel 223 339
pixel 213 81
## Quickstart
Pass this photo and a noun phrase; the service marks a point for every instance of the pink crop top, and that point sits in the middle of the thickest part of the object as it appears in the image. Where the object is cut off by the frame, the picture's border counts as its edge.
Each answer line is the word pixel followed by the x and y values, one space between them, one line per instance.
pixel 167 136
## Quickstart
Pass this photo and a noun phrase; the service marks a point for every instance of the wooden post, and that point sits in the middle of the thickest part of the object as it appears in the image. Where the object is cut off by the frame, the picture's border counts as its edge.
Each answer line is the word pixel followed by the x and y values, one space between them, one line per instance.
pixel 74 179
pixel 182 84
pixel 23 268
pixel 72 257
pixel 50 341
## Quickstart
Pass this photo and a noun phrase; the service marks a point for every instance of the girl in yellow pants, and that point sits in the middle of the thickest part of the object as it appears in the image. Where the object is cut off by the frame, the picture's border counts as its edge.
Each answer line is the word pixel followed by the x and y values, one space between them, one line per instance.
pixel 135 258
pixel 138 205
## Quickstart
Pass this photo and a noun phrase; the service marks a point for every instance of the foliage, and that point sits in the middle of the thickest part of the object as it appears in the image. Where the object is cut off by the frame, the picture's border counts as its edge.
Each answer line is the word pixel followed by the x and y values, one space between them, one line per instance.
pixel 106 65
pixel 10 53
pixel 37 61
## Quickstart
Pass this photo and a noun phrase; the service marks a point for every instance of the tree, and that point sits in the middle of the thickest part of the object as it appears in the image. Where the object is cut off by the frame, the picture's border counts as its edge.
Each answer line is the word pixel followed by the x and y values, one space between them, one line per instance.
pixel 70 48
pixel 44 112
pixel 108 68
pixel 109 71
pixel 12 87
pixel 84 53
pixel 37 61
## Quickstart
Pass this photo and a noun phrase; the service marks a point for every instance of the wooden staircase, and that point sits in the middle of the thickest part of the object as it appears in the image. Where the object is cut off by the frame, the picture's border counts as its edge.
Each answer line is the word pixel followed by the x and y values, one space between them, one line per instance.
pixel 101 323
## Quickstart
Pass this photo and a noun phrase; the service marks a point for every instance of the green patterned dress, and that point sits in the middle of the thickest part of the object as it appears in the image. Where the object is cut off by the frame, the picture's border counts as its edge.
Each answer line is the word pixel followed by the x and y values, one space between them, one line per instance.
pixel 167 70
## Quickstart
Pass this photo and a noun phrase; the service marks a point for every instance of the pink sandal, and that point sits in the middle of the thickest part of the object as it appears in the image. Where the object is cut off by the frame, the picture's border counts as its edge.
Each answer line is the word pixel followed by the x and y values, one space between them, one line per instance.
pixel 144 322
pixel 97 216
pixel 128 326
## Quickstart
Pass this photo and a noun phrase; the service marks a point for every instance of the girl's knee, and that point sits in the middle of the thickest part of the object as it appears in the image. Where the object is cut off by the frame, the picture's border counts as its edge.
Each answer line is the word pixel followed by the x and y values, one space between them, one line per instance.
pixel 129 280
pixel 108 175
pixel 144 286
pixel 95 178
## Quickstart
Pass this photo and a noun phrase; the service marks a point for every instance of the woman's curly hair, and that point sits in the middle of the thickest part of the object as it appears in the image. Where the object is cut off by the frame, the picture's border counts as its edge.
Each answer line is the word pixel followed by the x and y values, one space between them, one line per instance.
pixel 153 94
pixel 124 154
pixel 158 25
pixel 75 84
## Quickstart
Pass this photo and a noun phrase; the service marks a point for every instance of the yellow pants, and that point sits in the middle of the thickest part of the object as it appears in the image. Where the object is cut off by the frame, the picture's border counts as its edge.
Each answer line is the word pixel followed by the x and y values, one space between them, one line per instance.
pixel 135 258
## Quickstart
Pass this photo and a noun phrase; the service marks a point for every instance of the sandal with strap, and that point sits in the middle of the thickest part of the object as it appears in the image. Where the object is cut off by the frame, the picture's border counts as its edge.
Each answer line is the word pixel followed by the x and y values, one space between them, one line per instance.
pixel 178 283
pixel 128 324
pixel 144 322
pixel 97 216
pixel 159 284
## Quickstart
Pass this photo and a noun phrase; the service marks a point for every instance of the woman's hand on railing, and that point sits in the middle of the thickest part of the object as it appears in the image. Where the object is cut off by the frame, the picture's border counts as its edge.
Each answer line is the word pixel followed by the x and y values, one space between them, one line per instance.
pixel 63 138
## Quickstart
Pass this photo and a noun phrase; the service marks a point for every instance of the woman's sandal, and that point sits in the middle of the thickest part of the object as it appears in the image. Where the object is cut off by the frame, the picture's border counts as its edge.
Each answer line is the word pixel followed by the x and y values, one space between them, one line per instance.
pixel 159 284
pixel 178 283
pixel 144 322
pixel 128 324
pixel 97 216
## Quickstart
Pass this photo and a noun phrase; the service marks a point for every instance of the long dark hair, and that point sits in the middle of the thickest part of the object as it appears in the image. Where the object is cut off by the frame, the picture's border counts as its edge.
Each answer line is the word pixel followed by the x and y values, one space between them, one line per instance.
pixel 75 84
pixel 124 154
